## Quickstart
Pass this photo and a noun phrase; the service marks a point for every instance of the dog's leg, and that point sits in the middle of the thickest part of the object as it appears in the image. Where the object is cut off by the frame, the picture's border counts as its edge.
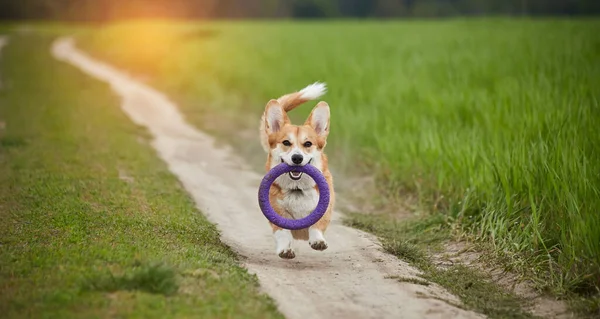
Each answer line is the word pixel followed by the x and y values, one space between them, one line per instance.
pixel 316 240
pixel 283 241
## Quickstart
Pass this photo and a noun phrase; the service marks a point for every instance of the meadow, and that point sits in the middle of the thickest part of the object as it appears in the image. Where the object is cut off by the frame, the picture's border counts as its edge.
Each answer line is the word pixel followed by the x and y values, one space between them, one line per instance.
pixel 492 123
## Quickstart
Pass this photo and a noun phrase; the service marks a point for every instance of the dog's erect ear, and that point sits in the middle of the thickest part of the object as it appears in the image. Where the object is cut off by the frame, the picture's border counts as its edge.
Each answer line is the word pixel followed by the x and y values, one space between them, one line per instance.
pixel 275 117
pixel 319 119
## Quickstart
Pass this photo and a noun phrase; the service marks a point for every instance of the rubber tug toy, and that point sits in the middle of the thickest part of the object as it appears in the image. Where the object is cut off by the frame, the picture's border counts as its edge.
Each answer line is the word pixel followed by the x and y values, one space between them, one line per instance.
pixel 293 224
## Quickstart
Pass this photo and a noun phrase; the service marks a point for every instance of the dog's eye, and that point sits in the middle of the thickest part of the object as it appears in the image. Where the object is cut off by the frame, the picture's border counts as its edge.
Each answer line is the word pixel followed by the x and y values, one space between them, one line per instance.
pixel 307 144
pixel 287 143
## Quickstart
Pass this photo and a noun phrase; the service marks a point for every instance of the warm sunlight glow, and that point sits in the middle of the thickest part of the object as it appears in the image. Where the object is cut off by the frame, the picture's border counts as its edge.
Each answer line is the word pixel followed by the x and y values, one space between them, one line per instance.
pixel 144 45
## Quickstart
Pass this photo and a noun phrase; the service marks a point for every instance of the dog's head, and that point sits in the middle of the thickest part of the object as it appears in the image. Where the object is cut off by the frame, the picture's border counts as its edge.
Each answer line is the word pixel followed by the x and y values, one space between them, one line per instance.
pixel 296 145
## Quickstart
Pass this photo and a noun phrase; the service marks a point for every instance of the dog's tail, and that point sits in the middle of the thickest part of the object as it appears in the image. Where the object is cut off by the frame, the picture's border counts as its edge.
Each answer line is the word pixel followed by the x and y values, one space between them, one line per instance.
pixel 311 92
pixel 290 102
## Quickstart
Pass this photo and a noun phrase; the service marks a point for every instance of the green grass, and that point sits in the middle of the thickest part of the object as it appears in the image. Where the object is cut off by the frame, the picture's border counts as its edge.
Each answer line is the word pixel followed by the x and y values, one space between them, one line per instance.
pixel 92 224
pixel 155 279
pixel 492 122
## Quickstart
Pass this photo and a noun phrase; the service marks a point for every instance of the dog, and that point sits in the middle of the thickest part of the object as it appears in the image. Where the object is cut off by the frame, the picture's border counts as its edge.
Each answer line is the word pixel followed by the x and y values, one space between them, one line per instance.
pixel 295 195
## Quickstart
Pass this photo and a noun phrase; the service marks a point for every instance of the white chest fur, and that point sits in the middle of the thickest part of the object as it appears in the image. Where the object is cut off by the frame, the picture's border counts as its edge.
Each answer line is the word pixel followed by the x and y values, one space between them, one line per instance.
pixel 300 203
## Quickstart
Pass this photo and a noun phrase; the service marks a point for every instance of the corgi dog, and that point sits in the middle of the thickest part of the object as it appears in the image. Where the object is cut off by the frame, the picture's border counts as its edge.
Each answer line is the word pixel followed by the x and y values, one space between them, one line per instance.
pixel 295 195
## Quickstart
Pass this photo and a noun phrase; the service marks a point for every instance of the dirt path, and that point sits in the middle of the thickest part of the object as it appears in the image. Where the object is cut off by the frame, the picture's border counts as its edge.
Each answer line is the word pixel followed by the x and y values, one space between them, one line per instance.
pixel 3 42
pixel 349 280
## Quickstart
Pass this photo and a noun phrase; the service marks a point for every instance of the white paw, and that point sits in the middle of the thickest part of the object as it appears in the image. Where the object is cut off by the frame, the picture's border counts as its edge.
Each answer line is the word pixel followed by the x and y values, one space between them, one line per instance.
pixel 287 254
pixel 283 241
pixel 316 239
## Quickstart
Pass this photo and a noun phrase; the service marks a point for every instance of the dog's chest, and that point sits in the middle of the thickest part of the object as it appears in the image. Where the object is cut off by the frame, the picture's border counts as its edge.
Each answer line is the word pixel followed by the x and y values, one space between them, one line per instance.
pixel 300 203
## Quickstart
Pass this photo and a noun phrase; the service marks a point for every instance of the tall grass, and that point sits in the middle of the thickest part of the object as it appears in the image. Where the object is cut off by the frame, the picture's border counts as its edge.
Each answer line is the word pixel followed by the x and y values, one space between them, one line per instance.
pixel 497 120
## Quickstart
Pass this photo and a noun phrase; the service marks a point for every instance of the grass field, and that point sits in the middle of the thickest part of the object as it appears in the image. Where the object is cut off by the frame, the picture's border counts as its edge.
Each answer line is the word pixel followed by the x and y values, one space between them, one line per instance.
pixel 493 123
pixel 92 224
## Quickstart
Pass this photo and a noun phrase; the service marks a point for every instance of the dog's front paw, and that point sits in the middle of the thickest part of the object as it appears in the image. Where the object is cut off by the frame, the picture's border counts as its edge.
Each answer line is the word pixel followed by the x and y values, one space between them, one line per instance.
pixel 316 239
pixel 284 239
pixel 318 245
pixel 287 254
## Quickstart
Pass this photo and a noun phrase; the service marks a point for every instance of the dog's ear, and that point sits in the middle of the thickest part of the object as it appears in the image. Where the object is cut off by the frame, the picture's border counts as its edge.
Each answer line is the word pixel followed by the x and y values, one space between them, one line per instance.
pixel 275 117
pixel 319 119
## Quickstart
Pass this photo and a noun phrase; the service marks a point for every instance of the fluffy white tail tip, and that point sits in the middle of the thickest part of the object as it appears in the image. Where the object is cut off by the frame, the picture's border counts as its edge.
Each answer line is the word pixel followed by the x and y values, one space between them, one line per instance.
pixel 314 91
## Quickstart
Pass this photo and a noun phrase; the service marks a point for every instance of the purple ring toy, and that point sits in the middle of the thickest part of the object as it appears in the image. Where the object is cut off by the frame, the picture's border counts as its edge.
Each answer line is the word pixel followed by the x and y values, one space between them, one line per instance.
pixel 293 224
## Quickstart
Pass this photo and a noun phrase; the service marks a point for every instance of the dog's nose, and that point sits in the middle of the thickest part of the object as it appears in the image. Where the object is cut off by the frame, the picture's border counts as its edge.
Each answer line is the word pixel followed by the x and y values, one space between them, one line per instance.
pixel 297 158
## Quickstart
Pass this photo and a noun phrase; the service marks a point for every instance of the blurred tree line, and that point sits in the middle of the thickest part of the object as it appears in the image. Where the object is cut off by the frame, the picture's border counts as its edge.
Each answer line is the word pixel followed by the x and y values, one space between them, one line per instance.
pixel 103 10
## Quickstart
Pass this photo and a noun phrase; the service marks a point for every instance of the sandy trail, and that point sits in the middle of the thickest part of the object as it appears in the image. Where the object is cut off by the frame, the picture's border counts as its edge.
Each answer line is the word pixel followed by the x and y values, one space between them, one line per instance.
pixel 351 279
pixel 3 42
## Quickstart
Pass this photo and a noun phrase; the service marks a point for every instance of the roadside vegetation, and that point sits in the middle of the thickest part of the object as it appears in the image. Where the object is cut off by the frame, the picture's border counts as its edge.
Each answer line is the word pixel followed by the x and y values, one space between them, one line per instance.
pixel 417 241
